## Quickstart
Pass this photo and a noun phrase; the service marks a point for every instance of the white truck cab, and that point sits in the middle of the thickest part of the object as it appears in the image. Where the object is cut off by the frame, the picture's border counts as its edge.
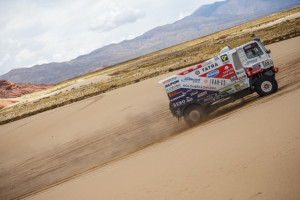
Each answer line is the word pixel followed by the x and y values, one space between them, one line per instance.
pixel 233 74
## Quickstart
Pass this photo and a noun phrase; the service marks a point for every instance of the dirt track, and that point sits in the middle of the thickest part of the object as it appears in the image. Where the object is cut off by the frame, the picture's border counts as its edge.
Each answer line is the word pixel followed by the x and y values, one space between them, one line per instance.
pixel 50 147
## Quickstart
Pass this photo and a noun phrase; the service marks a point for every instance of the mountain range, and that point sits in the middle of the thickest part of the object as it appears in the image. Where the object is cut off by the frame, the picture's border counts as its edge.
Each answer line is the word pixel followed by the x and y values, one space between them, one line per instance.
pixel 205 20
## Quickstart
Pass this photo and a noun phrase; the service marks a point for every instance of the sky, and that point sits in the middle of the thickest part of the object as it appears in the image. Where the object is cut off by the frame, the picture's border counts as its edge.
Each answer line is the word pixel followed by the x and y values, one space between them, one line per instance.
pixel 41 31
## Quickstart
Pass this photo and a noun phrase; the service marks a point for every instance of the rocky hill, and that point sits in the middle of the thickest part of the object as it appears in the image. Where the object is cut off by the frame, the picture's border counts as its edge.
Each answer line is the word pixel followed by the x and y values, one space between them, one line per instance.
pixel 205 20
pixel 12 90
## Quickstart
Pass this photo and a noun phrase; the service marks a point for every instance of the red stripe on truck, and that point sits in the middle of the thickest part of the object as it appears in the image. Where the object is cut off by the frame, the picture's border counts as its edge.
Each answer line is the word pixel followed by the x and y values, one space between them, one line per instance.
pixel 190 70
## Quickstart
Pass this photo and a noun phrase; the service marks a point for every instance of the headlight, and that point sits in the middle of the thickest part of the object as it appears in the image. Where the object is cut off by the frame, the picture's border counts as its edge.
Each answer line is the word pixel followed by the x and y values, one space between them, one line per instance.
pixel 266 63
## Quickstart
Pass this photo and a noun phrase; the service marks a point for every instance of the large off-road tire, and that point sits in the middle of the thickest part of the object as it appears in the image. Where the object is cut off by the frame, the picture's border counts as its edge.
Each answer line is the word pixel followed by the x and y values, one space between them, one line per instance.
pixel 266 85
pixel 194 114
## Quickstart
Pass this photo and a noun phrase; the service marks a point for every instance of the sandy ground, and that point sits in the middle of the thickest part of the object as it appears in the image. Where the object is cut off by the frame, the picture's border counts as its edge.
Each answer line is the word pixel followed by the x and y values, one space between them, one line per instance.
pixel 251 155
pixel 247 150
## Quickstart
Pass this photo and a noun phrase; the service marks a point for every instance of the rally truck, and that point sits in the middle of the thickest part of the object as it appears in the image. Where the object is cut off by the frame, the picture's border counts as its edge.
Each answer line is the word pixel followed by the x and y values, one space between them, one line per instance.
pixel 235 73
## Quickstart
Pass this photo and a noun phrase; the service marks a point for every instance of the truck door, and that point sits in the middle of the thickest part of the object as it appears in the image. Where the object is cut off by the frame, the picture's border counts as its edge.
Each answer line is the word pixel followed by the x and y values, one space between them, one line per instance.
pixel 238 66
pixel 240 80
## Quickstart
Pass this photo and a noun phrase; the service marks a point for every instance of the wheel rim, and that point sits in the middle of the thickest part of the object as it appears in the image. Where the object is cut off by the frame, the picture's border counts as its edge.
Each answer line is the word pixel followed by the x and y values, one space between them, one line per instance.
pixel 266 86
pixel 194 115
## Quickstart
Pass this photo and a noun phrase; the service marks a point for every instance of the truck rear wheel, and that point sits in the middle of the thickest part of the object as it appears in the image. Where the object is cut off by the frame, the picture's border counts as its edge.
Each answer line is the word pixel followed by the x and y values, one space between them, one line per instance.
pixel 266 85
pixel 194 114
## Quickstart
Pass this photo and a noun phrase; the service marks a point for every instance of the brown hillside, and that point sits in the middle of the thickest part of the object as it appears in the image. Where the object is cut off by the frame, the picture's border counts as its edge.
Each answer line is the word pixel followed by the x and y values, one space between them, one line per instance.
pixel 12 90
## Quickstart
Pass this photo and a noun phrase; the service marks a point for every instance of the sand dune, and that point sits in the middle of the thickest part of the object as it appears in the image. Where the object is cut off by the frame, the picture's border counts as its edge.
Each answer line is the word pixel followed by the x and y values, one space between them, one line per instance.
pixel 251 155
pixel 246 150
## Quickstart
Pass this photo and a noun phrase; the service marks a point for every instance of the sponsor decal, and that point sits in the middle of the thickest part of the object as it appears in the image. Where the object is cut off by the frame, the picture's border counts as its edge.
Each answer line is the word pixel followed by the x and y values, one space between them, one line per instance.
pixel 175 93
pixel 170 80
pixel 246 82
pixel 206 81
pixel 195 67
pixel 189 99
pixel 194 93
pixel 209 67
pixel 243 58
pixel 179 103
pixel 172 83
pixel 217 82
pixel 176 98
pixel 228 70
pixel 251 61
pixel 243 77
pixel 197 72
pixel 240 51
pixel 186 72
pixel 220 72
pixel 211 98
pixel 212 73
pixel 187 91
pixel 172 88
pixel 233 78
pixel 187 79
pixel 256 67
pixel 208 87
pixel 240 71
pixel 226 91
pixel 230 73
pixel 224 58
pixel 249 46
pixel 237 85
pixel 202 94
pixel 191 86
pixel 242 85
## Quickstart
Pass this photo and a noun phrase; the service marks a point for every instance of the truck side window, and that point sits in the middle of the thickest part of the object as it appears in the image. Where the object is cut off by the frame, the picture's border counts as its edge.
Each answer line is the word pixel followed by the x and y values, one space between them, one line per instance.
pixel 253 50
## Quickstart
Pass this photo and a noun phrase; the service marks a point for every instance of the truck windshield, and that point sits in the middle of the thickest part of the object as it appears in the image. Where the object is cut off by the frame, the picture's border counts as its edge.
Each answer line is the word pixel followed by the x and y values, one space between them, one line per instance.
pixel 253 50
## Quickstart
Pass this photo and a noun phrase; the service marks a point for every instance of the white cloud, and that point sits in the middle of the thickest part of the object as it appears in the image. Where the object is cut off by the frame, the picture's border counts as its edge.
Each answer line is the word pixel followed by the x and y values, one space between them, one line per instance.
pixel 24 55
pixel 4 59
pixel 114 17
pixel 35 31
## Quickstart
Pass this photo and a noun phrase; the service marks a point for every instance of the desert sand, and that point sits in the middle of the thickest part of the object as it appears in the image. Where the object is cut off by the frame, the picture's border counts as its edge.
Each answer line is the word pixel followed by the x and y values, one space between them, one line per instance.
pixel 247 150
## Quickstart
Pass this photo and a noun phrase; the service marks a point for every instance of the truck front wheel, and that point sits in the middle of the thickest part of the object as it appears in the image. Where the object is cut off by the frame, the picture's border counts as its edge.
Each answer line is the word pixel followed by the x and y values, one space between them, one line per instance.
pixel 194 114
pixel 266 85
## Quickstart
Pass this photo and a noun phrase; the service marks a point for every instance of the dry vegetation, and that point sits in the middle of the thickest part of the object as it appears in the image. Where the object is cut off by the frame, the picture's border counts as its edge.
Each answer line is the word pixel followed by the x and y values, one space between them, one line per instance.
pixel 161 62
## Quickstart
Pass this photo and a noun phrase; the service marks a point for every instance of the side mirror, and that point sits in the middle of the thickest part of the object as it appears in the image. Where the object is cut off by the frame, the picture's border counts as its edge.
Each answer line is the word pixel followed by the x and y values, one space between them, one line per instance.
pixel 268 51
